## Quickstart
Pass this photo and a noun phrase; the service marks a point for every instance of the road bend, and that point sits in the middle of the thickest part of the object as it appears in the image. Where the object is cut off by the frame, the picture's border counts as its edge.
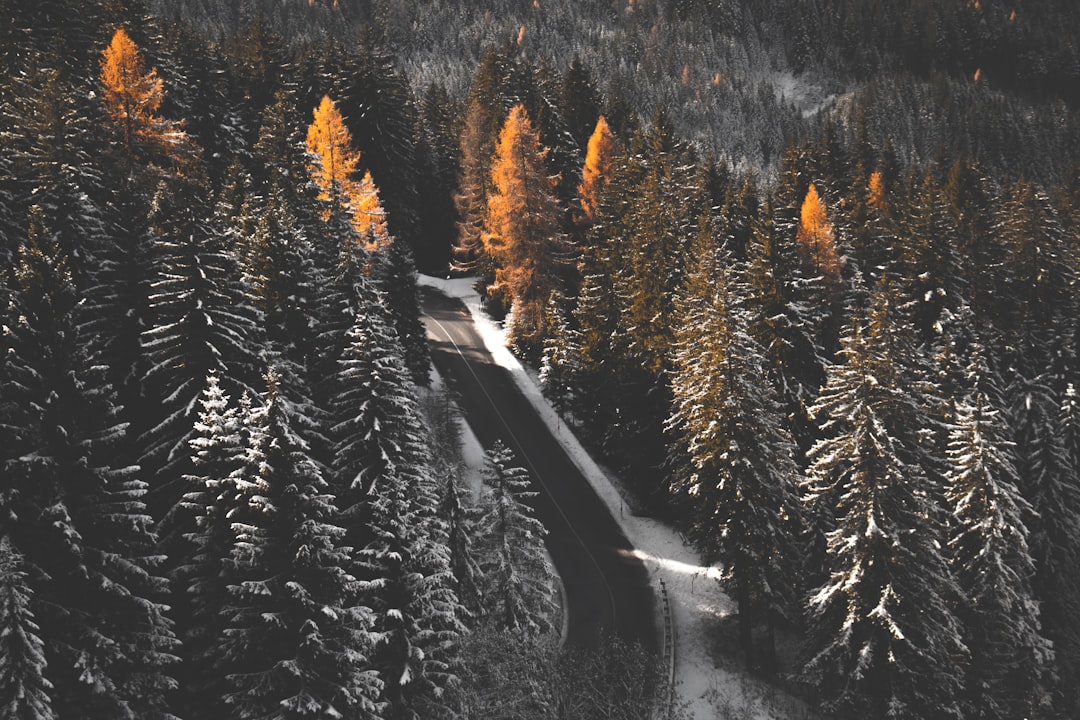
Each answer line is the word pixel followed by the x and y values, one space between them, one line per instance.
pixel 606 589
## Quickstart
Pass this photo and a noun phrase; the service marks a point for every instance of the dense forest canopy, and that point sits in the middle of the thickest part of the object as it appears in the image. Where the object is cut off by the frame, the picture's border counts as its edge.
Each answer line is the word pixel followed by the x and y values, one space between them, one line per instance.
pixel 803 273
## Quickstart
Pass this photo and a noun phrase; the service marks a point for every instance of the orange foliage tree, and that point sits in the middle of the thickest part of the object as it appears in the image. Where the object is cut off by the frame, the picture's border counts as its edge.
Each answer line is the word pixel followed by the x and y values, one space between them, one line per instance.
pixel 817 239
pixel 521 227
pixel 876 191
pixel 132 97
pixel 599 165
pixel 335 169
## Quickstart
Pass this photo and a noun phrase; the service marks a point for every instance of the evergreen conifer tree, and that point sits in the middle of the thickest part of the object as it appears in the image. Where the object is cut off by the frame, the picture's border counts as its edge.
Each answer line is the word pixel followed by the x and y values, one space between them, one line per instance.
pixel 24 686
pixel 296 641
pixel 76 518
pixel 740 491
pixel 518 583
pixel 1011 661
pixel 885 640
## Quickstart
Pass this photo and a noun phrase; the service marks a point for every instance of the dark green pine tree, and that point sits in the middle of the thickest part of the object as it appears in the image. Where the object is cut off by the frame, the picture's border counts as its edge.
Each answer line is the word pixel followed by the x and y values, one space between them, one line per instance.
pixel 785 323
pixel 1036 284
pixel 296 642
pixel 201 323
pixel 928 268
pixel 54 137
pixel 436 148
pixel 395 274
pixel 518 579
pixel 382 472
pixel 77 519
pixel 740 488
pixel 1046 435
pixel 884 638
pixel 1011 669
pixel 24 686
pixel 578 102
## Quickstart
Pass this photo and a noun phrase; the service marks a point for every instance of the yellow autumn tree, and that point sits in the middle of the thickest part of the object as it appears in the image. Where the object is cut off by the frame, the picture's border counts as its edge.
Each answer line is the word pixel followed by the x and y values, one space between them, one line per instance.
pixel 876 191
pixel 599 165
pixel 521 228
pixel 335 170
pixel 817 239
pixel 132 97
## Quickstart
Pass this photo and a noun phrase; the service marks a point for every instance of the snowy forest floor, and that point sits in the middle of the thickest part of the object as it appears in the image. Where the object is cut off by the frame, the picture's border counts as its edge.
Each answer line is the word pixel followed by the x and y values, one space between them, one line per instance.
pixel 710 682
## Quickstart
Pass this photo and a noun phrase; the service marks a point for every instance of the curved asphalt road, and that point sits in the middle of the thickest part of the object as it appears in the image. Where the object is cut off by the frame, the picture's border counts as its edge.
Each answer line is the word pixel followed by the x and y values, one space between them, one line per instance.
pixel 607 590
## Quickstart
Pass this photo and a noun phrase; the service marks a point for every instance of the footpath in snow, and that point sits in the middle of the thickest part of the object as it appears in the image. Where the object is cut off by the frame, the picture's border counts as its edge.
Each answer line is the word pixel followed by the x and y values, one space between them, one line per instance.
pixel 707 684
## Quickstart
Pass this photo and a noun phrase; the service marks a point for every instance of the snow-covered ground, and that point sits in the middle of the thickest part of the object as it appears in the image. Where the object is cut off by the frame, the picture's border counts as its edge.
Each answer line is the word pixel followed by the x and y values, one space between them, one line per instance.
pixel 707 683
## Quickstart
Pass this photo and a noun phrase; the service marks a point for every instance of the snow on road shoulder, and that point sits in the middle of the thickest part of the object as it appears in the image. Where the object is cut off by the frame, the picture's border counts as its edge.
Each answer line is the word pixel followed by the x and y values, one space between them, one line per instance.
pixel 696 597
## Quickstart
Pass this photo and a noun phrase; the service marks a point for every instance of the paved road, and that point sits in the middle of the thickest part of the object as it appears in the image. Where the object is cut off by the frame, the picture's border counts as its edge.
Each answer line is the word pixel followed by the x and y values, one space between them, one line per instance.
pixel 606 590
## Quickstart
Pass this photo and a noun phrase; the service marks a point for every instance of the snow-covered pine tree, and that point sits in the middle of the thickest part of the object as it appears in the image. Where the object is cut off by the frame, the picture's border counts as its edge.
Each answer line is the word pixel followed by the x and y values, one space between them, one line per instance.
pixel 518 579
pixel 201 322
pixel 556 369
pixel 382 472
pixel 740 491
pixel 208 509
pixel 460 519
pixel 1011 662
pixel 78 520
pixel 296 642
pixel 884 638
pixel 24 686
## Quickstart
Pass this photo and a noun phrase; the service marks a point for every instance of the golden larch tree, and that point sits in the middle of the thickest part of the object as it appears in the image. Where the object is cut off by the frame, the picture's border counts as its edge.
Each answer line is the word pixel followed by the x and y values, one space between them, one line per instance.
pixel 817 239
pixel 876 191
pixel 335 170
pixel 132 97
pixel 599 166
pixel 521 228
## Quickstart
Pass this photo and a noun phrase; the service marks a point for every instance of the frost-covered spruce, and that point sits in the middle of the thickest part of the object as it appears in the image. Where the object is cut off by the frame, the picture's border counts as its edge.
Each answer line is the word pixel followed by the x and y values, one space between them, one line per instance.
pixel 383 472
pixel 884 639
pixel 1046 434
pixel 208 508
pixel 24 687
pixel 1011 660
pixel 77 520
pixel 739 490
pixel 518 582
pixel 201 323
pixel 295 643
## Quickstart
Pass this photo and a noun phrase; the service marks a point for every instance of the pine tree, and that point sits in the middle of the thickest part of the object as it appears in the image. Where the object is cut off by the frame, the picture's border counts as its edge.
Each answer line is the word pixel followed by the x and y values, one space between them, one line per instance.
pixel 24 686
pixel 382 470
pixel 885 641
pixel 460 519
pixel 77 518
pixel 1045 434
pixel 395 274
pixel 201 322
pixel 1011 660
pixel 207 510
pixel 521 228
pixel 518 580
pixel 296 642
pixel 740 490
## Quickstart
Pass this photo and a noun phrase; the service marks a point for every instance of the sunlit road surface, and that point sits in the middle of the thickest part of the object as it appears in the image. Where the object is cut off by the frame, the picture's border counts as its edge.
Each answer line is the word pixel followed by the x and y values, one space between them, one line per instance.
pixel 606 586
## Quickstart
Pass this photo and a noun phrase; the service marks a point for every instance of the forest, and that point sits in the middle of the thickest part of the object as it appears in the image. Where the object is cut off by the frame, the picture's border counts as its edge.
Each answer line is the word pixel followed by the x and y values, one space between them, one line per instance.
pixel 803 274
